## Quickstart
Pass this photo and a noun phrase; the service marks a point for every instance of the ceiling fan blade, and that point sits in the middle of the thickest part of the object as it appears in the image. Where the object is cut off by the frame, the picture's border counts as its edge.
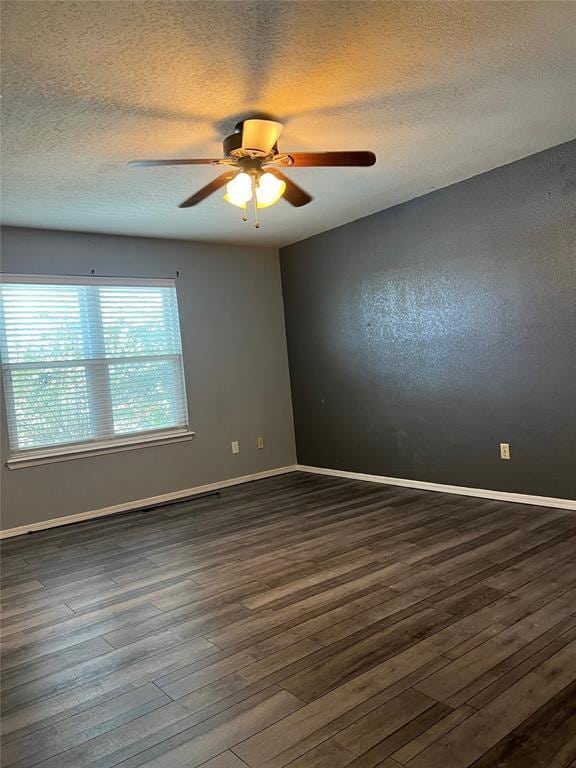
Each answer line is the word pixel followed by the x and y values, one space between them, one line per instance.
pixel 260 135
pixel 209 189
pixel 317 159
pixel 293 194
pixel 181 161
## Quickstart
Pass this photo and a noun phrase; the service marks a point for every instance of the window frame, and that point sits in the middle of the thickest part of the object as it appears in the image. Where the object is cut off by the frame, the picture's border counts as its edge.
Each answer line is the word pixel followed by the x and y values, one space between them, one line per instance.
pixel 98 444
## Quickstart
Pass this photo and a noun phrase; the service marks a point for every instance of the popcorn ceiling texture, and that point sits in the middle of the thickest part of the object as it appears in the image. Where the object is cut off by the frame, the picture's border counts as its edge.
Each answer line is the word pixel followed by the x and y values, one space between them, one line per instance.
pixel 441 91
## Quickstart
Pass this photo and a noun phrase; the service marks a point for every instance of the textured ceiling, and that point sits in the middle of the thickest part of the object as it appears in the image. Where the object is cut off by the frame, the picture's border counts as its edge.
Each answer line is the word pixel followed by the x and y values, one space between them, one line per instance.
pixel 439 90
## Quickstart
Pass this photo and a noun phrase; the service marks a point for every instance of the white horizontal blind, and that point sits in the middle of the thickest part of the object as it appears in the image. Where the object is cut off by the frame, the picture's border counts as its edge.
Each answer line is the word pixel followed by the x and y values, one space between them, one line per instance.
pixel 88 360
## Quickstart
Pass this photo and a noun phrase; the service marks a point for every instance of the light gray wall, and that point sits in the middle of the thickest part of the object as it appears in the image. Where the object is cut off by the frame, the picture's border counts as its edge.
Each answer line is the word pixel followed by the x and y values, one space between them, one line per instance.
pixel 237 381
pixel 421 337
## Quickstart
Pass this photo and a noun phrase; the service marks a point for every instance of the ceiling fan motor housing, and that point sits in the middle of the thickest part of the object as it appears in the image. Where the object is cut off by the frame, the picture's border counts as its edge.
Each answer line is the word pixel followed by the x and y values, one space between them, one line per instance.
pixel 253 138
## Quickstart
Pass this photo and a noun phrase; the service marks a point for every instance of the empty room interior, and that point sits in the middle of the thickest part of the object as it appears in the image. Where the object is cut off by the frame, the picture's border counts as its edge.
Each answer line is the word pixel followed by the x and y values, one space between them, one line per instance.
pixel 288 398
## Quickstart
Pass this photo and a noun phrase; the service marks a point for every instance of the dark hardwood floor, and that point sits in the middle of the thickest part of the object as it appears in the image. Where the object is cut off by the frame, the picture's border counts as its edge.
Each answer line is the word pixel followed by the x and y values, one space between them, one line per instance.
pixel 299 621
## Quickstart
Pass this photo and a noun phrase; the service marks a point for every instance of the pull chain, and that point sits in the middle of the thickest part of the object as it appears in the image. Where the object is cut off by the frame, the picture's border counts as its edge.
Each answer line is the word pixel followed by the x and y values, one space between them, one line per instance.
pixel 256 223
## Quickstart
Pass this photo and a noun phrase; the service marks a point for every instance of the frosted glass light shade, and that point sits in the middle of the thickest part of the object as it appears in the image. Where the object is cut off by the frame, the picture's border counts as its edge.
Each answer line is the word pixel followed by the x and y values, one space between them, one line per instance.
pixel 239 190
pixel 269 190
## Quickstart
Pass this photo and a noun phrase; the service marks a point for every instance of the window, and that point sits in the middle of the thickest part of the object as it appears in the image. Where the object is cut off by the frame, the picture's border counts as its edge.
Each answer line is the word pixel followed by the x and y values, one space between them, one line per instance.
pixel 90 362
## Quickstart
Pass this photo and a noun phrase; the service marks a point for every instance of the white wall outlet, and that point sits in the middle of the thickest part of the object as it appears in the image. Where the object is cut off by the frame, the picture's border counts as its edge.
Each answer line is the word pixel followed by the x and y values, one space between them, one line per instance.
pixel 504 450
pixel 235 446
pixel 260 443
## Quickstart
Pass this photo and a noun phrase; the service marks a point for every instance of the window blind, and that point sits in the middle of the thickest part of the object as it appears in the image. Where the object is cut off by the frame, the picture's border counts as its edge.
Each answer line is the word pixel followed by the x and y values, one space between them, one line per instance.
pixel 89 360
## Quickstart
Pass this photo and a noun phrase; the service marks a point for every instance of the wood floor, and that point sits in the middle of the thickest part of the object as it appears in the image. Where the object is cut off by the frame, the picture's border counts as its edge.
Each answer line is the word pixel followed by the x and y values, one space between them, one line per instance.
pixel 299 621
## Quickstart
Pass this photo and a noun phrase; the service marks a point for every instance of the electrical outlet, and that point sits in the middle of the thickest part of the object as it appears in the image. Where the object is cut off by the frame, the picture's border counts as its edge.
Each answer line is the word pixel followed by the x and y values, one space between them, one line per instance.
pixel 260 442
pixel 505 451
pixel 235 446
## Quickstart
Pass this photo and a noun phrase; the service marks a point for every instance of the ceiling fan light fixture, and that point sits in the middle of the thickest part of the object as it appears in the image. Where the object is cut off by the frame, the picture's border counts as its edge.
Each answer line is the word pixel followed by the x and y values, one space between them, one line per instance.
pixel 269 190
pixel 239 190
pixel 247 153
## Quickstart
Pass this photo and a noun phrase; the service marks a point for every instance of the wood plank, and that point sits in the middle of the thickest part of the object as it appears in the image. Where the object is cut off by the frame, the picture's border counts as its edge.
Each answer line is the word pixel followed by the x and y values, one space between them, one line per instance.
pixel 76 698
pixel 83 726
pixel 495 721
pixel 546 739
pixel 197 744
pixel 416 745
pixel 457 676
pixel 333 667
pixel 225 760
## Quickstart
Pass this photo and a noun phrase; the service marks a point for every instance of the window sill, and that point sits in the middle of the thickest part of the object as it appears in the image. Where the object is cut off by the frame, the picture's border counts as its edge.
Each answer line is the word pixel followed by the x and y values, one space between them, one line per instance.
pixel 83 452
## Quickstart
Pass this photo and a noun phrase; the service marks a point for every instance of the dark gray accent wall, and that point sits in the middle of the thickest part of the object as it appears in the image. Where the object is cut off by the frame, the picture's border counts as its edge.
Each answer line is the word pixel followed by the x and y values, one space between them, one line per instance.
pixel 236 369
pixel 421 337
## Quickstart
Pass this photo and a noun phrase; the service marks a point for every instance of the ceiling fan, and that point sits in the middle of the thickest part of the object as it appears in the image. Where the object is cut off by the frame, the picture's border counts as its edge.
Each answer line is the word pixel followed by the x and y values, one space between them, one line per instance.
pixel 253 162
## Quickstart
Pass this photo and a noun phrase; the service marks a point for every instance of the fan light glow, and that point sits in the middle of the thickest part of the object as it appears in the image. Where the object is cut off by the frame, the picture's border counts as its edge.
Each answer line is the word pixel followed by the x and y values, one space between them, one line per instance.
pixel 269 190
pixel 239 190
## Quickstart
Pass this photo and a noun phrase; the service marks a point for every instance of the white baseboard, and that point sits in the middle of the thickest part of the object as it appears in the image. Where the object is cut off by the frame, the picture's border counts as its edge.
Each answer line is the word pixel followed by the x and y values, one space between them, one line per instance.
pixel 151 501
pixel 482 493
pixel 155 501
